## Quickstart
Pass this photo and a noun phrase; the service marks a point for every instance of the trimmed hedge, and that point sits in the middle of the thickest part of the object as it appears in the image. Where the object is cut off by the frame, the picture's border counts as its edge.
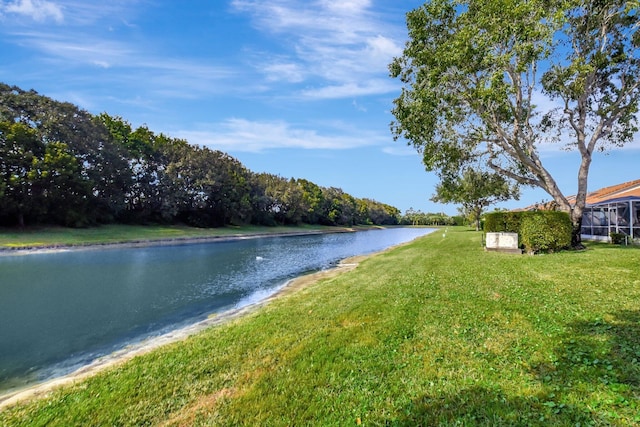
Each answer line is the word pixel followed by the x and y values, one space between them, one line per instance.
pixel 538 231
pixel 503 222
pixel 546 231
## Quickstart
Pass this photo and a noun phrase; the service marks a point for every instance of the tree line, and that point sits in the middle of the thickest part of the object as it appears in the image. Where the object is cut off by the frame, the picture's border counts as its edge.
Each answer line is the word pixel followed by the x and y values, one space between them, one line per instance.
pixel 61 165
pixel 417 217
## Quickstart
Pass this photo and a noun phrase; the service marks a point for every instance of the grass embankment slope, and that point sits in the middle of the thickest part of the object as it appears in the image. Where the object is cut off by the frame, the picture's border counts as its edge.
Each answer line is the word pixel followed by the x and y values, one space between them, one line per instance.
pixel 47 237
pixel 436 332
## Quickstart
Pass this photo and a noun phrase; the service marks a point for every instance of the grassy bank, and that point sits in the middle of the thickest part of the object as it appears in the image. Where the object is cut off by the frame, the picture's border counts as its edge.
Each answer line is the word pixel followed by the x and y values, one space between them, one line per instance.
pixel 106 234
pixel 436 332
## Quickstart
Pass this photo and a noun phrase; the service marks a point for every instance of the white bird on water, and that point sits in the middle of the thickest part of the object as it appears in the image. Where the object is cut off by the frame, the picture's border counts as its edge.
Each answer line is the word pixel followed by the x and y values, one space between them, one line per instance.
pixel 259 258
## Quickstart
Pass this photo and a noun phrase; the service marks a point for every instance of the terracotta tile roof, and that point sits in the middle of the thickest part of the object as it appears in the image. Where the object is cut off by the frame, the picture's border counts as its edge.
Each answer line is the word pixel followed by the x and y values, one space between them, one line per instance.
pixel 626 189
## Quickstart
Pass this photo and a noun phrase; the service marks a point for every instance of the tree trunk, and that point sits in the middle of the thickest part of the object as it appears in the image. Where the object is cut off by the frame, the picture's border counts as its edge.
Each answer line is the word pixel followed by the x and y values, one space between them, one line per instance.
pixel 576 222
pixel 581 195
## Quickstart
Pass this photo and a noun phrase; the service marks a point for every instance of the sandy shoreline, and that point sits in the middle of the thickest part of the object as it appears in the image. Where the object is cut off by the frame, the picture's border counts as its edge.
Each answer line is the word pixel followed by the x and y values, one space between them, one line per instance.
pixel 40 390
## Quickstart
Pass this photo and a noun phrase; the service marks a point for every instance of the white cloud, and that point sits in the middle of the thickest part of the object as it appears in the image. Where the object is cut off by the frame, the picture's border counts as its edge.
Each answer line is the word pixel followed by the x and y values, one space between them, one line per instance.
pixel 339 48
pixel 398 149
pixel 72 12
pixel 38 10
pixel 383 48
pixel 99 52
pixel 346 6
pixel 350 89
pixel 358 107
pixel 172 77
pixel 284 71
pixel 254 136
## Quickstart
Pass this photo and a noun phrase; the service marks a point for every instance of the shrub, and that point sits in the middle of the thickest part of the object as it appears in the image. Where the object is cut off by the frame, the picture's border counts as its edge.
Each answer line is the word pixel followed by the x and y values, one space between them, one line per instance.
pixel 538 231
pixel 459 220
pixel 545 231
pixel 512 221
pixel 617 238
pixel 499 222
pixel 494 222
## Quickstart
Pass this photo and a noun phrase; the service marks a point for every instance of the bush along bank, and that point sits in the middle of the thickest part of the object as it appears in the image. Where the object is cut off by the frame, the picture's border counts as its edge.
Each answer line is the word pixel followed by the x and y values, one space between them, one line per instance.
pixel 538 231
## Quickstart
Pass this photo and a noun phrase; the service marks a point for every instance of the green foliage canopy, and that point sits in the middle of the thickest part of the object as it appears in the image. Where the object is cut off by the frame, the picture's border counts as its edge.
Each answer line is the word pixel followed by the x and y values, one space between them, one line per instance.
pixel 61 165
pixel 474 72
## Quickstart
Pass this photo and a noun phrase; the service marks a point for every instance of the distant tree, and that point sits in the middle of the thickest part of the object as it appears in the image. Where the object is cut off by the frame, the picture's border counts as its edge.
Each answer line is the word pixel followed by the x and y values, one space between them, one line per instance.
pixel 475 190
pixel 312 201
pixel 475 72
pixel 102 164
pixel 213 186
pixel 413 217
pixel 371 212
pixel 64 193
pixel 461 218
pixel 281 199
pixel 147 189
pixel 340 208
pixel 19 149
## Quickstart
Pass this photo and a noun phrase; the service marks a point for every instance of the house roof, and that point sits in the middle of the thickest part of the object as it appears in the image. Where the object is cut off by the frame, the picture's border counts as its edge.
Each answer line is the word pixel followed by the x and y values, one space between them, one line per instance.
pixel 616 193
pixel 625 191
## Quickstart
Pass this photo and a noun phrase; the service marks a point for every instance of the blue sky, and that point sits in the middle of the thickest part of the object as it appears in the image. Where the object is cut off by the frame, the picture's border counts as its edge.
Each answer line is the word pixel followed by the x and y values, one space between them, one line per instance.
pixel 297 88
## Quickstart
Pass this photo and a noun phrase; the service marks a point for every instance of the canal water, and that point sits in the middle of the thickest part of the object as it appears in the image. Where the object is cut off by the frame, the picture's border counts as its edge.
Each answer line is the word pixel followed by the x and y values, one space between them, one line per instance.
pixel 60 311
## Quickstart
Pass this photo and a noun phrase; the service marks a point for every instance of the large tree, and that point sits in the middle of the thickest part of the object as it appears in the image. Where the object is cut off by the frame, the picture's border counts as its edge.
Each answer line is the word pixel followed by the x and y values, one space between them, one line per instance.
pixel 495 80
pixel 475 190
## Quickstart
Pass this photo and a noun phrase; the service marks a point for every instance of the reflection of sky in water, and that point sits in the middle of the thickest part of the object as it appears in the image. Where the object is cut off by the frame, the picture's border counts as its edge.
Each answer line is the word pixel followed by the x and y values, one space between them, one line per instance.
pixel 73 306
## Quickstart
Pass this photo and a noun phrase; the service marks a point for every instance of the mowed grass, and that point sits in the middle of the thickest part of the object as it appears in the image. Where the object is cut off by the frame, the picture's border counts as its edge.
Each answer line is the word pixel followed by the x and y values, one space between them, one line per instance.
pixel 436 332
pixel 106 234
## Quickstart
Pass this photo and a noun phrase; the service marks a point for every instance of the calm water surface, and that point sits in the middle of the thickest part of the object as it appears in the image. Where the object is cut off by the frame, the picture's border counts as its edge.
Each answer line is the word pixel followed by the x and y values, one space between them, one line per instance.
pixel 60 311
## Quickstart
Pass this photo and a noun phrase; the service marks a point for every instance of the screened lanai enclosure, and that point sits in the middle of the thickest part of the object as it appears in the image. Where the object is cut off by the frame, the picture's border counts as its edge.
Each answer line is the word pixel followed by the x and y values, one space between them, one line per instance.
pixel 614 209
pixel 620 215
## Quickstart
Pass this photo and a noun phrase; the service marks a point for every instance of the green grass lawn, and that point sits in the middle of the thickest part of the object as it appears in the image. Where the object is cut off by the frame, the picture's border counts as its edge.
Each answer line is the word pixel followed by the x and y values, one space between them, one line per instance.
pixel 436 332
pixel 58 236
